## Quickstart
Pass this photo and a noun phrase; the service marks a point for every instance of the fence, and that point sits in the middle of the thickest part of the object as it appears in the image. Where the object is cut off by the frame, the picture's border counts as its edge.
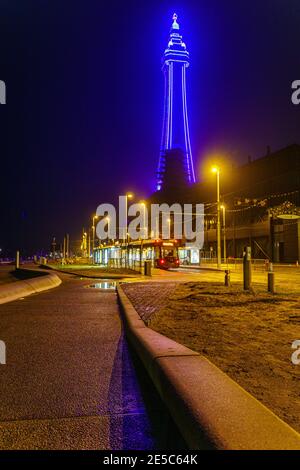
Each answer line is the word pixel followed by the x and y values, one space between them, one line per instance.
pixel 236 264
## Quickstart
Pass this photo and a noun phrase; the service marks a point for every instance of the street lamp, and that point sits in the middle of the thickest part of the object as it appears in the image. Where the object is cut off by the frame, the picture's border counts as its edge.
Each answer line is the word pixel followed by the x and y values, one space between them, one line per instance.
pixel 169 222
pixel 84 244
pixel 224 231
pixel 144 221
pixel 107 220
pixel 128 196
pixel 216 169
pixel 144 232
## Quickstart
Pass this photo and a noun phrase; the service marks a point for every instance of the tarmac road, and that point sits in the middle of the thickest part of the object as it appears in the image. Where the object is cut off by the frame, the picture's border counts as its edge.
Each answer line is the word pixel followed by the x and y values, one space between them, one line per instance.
pixel 69 381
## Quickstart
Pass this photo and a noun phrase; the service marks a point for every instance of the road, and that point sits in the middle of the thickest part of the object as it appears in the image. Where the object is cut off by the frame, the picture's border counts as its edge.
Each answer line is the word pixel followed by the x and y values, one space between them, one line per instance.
pixel 70 381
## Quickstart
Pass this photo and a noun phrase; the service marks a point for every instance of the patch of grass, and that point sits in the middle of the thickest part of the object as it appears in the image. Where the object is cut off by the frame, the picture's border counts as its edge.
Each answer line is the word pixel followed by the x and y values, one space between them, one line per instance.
pixel 23 274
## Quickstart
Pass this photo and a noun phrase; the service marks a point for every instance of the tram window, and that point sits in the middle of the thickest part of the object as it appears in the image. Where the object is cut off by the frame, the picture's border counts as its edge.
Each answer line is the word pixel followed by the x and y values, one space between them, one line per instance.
pixel 168 253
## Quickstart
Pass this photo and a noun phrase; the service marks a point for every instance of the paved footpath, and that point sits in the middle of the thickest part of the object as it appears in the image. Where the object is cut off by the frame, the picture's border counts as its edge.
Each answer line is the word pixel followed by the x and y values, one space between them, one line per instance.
pixel 69 381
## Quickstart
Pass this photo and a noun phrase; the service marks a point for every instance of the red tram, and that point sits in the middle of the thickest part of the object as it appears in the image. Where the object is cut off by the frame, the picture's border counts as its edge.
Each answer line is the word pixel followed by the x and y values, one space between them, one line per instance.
pixel 166 254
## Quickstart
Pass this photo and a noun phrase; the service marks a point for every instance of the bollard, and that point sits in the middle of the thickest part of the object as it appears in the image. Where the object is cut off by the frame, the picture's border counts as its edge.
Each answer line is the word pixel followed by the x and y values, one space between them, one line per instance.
pixel 17 263
pixel 271 282
pixel 247 267
pixel 271 279
pixel 270 267
pixel 227 277
pixel 147 268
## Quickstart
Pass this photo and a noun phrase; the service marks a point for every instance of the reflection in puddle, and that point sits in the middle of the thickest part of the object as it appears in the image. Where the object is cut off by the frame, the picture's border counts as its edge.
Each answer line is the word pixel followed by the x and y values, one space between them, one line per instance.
pixel 105 285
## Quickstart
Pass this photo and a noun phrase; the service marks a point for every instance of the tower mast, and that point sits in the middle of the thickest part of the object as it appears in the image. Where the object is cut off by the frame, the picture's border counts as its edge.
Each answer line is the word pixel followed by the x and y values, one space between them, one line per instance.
pixel 175 131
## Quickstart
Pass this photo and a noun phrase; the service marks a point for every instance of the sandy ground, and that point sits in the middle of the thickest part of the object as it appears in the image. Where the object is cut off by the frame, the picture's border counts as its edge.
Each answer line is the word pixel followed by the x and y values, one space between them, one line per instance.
pixel 246 334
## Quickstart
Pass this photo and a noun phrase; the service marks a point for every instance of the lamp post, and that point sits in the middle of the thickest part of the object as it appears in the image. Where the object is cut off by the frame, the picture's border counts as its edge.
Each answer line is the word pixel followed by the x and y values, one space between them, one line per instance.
pixel 89 245
pixel 84 244
pixel 216 170
pixel 169 222
pixel 224 232
pixel 108 228
pixel 128 196
pixel 144 234
pixel 93 234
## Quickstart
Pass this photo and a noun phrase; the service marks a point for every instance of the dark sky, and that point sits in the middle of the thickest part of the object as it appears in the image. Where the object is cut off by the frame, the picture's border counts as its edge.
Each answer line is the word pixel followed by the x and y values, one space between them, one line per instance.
pixel 82 122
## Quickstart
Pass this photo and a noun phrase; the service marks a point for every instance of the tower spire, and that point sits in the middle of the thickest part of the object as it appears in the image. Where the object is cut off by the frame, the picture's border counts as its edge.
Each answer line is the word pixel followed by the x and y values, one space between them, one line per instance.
pixel 175 132
pixel 175 25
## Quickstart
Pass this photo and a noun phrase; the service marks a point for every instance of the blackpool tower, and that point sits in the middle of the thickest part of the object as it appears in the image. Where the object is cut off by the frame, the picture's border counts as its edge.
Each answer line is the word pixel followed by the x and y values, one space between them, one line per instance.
pixel 175 131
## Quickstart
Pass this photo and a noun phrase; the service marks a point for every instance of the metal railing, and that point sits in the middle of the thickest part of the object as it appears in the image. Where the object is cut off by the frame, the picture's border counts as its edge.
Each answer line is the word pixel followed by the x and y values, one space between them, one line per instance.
pixel 234 264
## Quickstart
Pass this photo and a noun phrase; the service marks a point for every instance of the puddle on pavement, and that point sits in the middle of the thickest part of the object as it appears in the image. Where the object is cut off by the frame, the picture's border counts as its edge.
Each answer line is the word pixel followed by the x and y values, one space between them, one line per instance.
pixel 103 285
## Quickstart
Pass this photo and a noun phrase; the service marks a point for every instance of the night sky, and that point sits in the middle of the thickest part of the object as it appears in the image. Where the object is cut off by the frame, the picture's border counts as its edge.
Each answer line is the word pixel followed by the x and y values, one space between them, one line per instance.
pixel 82 123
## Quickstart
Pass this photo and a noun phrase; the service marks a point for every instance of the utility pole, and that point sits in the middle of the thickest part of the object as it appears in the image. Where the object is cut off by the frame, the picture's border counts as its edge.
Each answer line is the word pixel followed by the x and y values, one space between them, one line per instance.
pixel 216 170
pixel 53 246
pixel 89 245
pixel 67 245
pixel 224 232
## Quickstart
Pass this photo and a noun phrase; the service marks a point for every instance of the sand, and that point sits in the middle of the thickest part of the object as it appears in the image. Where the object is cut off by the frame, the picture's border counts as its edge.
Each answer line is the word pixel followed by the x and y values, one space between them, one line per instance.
pixel 246 334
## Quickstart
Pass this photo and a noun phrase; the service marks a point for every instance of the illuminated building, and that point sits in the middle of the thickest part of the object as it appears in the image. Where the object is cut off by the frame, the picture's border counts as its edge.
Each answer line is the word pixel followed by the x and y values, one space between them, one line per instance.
pixel 262 200
pixel 175 132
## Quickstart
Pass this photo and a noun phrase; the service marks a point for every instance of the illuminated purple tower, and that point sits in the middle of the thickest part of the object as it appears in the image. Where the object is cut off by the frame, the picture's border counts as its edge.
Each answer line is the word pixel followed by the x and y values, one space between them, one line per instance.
pixel 175 132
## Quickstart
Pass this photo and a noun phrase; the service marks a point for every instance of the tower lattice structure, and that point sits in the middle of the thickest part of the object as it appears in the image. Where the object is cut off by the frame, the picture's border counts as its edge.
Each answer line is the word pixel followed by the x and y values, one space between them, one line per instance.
pixel 175 131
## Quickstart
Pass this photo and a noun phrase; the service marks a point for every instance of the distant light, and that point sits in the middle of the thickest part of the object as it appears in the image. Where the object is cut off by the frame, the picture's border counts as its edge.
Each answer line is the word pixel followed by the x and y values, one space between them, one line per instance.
pixel 215 169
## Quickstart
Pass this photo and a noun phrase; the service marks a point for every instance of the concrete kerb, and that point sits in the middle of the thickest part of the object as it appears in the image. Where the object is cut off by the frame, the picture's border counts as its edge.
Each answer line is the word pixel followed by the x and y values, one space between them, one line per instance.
pixel 15 290
pixel 210 410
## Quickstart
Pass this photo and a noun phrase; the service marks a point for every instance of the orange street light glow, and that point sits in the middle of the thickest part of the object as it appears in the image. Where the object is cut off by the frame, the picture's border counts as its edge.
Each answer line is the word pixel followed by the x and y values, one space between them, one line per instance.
pixel 215 169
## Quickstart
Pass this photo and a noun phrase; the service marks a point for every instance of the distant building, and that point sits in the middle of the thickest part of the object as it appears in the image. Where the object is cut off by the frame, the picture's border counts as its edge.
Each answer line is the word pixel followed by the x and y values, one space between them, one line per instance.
pixel 262 207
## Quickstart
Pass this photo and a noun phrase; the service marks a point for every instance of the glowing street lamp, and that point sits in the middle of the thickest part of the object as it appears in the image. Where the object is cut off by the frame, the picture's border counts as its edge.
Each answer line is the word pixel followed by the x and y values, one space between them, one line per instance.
pixel 224 232
pixel 144 231
pixel 216 170
pixel 128 196
pixel 144 221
